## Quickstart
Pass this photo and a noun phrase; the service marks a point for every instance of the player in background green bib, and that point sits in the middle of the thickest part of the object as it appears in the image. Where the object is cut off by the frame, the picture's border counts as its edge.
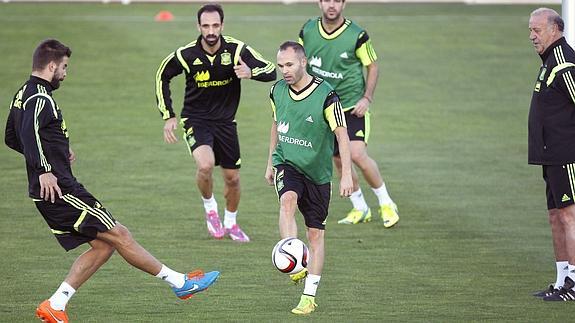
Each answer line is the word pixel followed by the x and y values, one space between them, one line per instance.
pixel 307 113
pixel 337 50
pixel 341 62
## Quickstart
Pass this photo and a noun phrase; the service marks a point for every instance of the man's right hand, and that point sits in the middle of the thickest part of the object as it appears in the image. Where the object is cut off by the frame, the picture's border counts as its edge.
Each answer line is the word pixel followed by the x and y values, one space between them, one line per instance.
pixel 49 187
pixel 269 176
pixel 169 128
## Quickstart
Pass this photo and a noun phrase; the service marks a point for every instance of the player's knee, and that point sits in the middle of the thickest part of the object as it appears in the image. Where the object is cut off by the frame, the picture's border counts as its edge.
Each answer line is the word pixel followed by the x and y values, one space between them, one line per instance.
pixel 554 217
pixel 232 181
pixel 123 236
pixel 205 169
pixel 103 248
pixel 359 156
pixel 315 237
pixel 288 198
pixel 568 220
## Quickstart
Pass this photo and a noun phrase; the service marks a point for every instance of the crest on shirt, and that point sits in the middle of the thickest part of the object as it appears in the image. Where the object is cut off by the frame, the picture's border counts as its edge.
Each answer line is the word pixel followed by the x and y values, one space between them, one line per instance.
pixel 542 74
pixel 64 128
pixel 226 58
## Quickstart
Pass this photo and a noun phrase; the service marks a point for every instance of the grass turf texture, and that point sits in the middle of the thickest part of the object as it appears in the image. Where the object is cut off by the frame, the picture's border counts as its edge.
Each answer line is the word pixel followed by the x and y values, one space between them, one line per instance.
pixel 448 131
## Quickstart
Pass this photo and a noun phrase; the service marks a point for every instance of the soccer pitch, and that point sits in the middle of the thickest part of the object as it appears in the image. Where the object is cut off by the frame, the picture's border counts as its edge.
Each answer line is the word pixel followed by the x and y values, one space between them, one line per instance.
pixel 449 130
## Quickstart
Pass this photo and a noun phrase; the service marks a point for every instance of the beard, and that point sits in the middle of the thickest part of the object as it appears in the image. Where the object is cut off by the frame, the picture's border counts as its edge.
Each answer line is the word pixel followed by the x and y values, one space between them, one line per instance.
pixel 211 40
pixel 55 82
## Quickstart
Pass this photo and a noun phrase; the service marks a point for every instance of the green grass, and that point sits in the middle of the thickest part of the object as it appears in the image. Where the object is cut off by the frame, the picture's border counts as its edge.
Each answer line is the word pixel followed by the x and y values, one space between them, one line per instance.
pixel 449 133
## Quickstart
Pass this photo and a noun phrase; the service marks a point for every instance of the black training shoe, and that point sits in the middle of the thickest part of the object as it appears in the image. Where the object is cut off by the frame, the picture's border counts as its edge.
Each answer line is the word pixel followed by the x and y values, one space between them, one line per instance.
pixel 564 294
pixel 547 292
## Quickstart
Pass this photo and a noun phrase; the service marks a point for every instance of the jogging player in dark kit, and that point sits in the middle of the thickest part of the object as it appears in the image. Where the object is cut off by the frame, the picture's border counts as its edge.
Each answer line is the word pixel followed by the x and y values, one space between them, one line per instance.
pixel 213 66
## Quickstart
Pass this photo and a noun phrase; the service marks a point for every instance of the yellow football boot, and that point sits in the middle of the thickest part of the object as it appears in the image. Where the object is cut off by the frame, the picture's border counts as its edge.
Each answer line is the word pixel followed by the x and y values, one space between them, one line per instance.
pixel 299 277
pixel 356 216
pixel 389 214
pixel 306 305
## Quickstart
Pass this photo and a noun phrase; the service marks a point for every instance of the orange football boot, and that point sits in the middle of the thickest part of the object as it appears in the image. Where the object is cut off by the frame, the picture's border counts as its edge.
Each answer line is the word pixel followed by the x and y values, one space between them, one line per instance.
pixel 46 313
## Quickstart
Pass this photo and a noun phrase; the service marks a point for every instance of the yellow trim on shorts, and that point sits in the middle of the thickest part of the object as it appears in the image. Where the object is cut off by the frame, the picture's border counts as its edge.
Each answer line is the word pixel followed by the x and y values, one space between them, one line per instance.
pixel 367 121
pixel 59 232
pixel 80 220
pixel 571 174
pixel 275 182
pixel 104 217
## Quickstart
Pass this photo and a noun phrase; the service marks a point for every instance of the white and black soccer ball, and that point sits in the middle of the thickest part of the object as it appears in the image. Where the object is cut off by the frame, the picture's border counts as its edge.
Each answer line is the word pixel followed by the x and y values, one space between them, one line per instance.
pixel 290 255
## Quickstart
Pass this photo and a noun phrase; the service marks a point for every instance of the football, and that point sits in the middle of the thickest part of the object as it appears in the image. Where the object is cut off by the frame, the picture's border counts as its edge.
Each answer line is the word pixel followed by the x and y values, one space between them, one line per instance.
pixel 290 255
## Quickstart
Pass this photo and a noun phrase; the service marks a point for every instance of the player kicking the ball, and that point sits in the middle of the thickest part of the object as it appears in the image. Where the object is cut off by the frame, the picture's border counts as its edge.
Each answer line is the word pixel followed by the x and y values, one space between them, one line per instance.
pixel 307 113
pixel 36 129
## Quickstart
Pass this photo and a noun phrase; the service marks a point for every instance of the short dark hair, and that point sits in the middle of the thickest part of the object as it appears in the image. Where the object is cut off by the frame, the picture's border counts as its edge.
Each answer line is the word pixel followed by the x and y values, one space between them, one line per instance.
pixel 297 47
pixel 49 50
pixel 211 7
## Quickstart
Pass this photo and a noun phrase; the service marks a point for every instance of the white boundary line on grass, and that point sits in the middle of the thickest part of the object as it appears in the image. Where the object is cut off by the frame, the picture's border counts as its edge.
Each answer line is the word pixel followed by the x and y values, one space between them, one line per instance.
pixel 266 18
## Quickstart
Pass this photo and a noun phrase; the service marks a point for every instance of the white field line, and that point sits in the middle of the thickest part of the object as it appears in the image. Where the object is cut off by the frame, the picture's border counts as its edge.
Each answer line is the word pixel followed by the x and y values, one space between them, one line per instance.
pixel 259 19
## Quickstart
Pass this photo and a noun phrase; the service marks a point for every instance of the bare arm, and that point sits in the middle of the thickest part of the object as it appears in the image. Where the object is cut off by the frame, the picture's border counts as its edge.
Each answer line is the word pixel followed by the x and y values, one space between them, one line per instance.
pixel 269 176
pixel 346 183
pixel 372 75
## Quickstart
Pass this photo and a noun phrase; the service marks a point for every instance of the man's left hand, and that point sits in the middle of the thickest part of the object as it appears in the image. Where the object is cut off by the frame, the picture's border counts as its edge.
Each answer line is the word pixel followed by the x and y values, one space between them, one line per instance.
pixel 346 186
pixel 71 156
pixel 242 70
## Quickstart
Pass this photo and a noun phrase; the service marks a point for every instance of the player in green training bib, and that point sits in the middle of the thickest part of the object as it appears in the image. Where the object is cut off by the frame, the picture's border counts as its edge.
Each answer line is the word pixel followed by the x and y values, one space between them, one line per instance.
pixel 337 51
pixel 307 113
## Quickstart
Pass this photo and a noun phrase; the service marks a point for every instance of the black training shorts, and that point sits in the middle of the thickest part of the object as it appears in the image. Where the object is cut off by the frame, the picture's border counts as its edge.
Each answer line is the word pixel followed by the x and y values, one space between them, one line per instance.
pixel 222 137
pixel 357 129
pixel 76 218
pixel 560 185
pixel 312 199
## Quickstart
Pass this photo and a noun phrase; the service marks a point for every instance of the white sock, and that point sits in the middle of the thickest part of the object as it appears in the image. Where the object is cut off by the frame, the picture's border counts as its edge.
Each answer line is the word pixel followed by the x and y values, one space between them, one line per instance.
pixel 210 204
pixel 174 278
pixel 358 200
pixel 382 195
pixel 571 273
pixel 230 218
pixel 61 297
pixel 562 271
pixel 311 283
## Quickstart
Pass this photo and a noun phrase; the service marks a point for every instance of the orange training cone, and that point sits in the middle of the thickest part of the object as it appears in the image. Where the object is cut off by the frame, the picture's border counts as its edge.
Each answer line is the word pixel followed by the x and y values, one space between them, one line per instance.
pixel 164 15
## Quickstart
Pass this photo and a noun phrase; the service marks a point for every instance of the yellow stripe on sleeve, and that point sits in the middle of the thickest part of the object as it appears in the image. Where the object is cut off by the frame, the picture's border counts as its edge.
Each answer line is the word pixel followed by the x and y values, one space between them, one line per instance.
pixel 182 60
pixel 335 116
pixel 159 85
pixel 366 53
